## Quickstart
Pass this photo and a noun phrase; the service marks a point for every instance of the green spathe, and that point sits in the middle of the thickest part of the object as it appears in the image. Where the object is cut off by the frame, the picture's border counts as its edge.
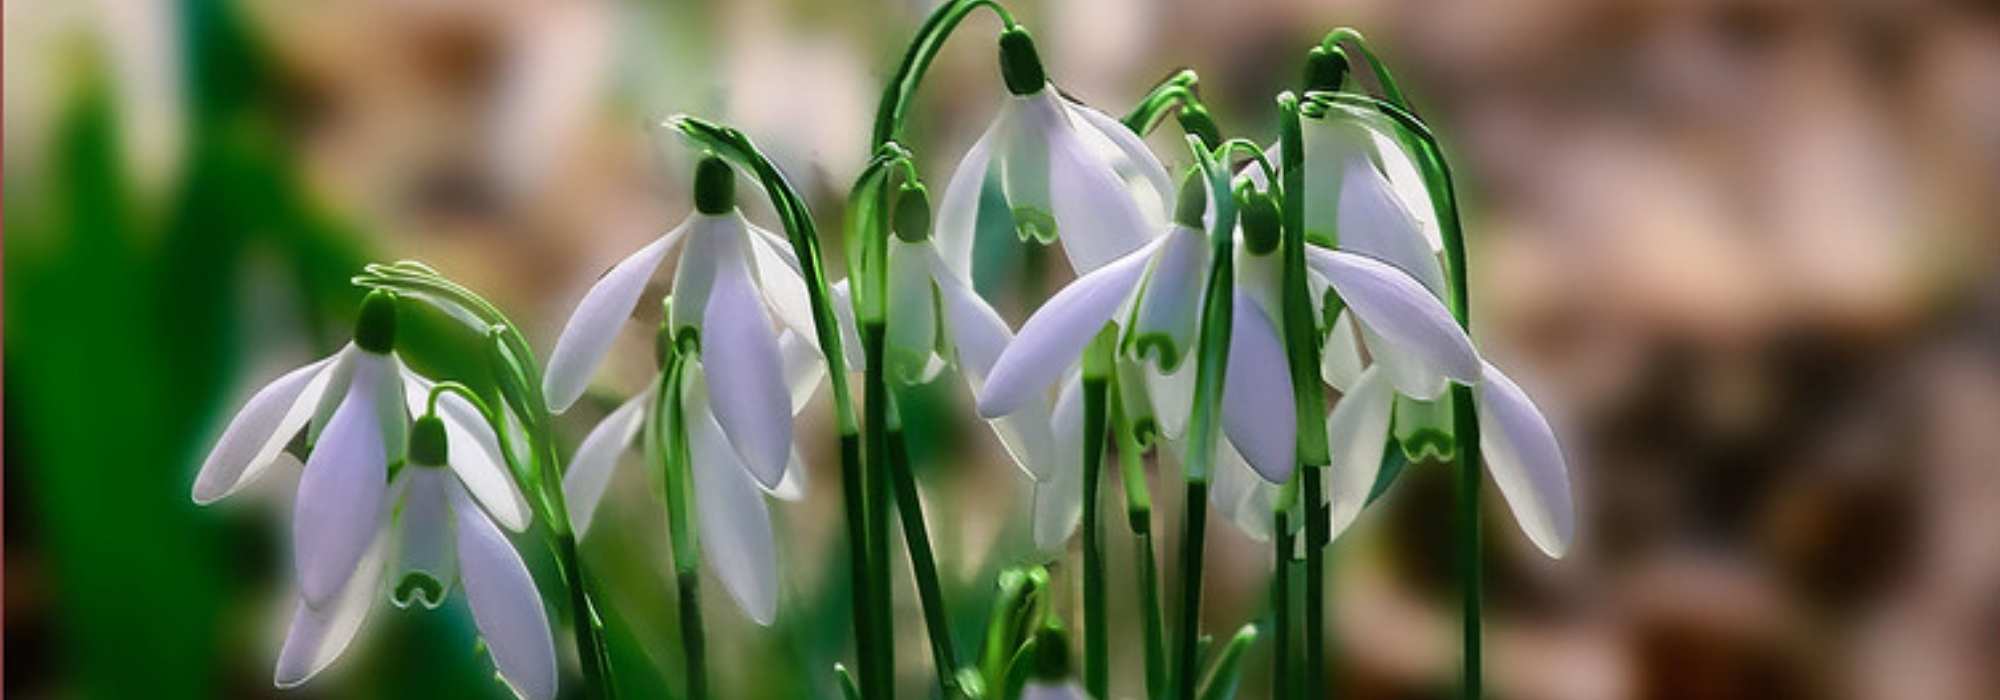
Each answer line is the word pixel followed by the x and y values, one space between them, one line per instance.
pixel 714 186
pixel 1020 64
pixel 375 331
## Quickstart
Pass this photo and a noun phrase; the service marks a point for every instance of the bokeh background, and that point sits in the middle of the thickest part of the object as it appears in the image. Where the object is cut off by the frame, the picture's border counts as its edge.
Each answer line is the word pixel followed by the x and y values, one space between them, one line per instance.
pixel 1743 250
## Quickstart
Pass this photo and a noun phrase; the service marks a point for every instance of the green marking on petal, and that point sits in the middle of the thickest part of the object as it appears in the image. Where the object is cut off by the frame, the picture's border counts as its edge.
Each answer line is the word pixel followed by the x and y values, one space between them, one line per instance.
pixel 418 587
pixel 1166 355
pixel 1034 224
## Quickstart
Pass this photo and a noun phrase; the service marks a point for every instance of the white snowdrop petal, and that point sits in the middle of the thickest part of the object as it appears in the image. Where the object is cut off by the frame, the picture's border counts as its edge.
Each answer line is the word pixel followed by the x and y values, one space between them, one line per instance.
pixel 957 224
pixel 1358 431
pixel 425 569
pixel 591 467
pixel 1329 144
pixel 1030 124
pixel 339 375
pixel 506 607
pixel 803 367
pixel 1396 306
pixel 709 238
pixel 912 335
pixel 1374 223
pixel 784 290
pixel 317 637
pixel 1169 312
pixel 475 452
pixel 1097 219
pixel 259 431
pixel 1408 183
pixel 1053 690
pixel 1257 409
pixel 1134 151
pixel 1173 398
pixel 1234 490
pixel 978 336
pixel 793 487
pixel 734 522
pixel 1340 359
pixel 587 336
pixel 1526 462
pixel 343 491
pixel 850 331
pixel 1059 496
pixel 1057 333
pixel 1410 374
pixel 740 355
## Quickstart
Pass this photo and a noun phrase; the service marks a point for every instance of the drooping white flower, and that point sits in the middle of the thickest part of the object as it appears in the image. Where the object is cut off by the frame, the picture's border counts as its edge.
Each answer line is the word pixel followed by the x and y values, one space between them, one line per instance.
pixel 1418 347
pixel 936 319
pixel 439 535
pixel 350 520
pixel 1155 295
pixel 1069 173
pixel 734 523
pixel 733 278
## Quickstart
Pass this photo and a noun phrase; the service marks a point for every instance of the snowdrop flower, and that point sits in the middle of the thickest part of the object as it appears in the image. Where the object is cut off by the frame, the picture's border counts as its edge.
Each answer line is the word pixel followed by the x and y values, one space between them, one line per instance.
pixel 1069 172
pixel 1417 348
pixel 934 313
pixel 1155 294
pixel 732 279
pixel 733 520
pixel 355 407
pixel 442 535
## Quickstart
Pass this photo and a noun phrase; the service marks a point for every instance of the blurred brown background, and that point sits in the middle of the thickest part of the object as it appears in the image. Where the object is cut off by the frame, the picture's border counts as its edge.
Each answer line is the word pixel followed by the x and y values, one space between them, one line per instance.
pixel 1744 251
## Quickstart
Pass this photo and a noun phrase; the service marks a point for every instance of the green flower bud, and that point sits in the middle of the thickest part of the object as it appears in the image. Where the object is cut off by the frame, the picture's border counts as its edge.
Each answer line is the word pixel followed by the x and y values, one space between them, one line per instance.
pixel 714 186
pixel 427 442
pixel 1051 654
pixel 1325 69
pixel 1020 65
pixel 1192 201
pixel 912 221
pixel 375 331
pixel 1258 211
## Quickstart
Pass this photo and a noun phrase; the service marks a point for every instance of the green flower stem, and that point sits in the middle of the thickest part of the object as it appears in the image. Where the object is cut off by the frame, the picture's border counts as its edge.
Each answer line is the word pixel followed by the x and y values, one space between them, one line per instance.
pixel 804 236
pixel 923 563
pixel 890 112
pixel 1096 388
pixel 1177 91
pixel 1139 515
pixel 1282 545
pixel 668 439
pixel 1436 172
pixel 539 475
pixel 875 446
pixel 1302 353
pixel 1210 364
pixel 1382 77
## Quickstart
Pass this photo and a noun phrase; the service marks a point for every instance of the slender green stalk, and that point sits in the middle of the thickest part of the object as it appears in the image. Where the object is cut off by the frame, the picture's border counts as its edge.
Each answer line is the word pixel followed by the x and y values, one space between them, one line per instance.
pixel 1211 361
pixel 1096 389
pixel 875 446
pixel 668 439
pixel 1281 603
pixel 890 112
pixel 1382 77
pixel 1139 515
pixel 1302 354
pixel 916 537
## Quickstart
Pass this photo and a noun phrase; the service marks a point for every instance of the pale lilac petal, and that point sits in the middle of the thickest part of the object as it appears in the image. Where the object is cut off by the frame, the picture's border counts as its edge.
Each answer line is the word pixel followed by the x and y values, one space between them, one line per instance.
pixel 1169 307
pixel 793 487
pixel 803 367
pixel 978 336
pixel 1522 454
pixel 1358 431
pixel 741 356
pixel 1056 335
pixel 258 433
pixel 587 336
pixel 1059 497
pixel 1029 124
pixel 784 290
pixel 734 522
pixel 1395 305
pixel 958 211
pixel 425 570
pixel 1340 360
pixel 1410 374
pixel 591 467
pixel 341 496
pixel 709 239
pixel 1173 398
pixel 1096 216
pixel 1257 409
pixel 1236 491
pixel 1329 145
pixel 1053 690
pixel 317 637
pixel 506 607
pixel 1374 223
pixel 1136 155
pixel 339 375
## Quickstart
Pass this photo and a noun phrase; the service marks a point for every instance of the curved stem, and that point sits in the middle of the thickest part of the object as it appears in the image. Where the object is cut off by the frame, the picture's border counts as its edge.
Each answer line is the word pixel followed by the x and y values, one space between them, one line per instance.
pixel 1382 77
pixel 1256 153
pixel 889 113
